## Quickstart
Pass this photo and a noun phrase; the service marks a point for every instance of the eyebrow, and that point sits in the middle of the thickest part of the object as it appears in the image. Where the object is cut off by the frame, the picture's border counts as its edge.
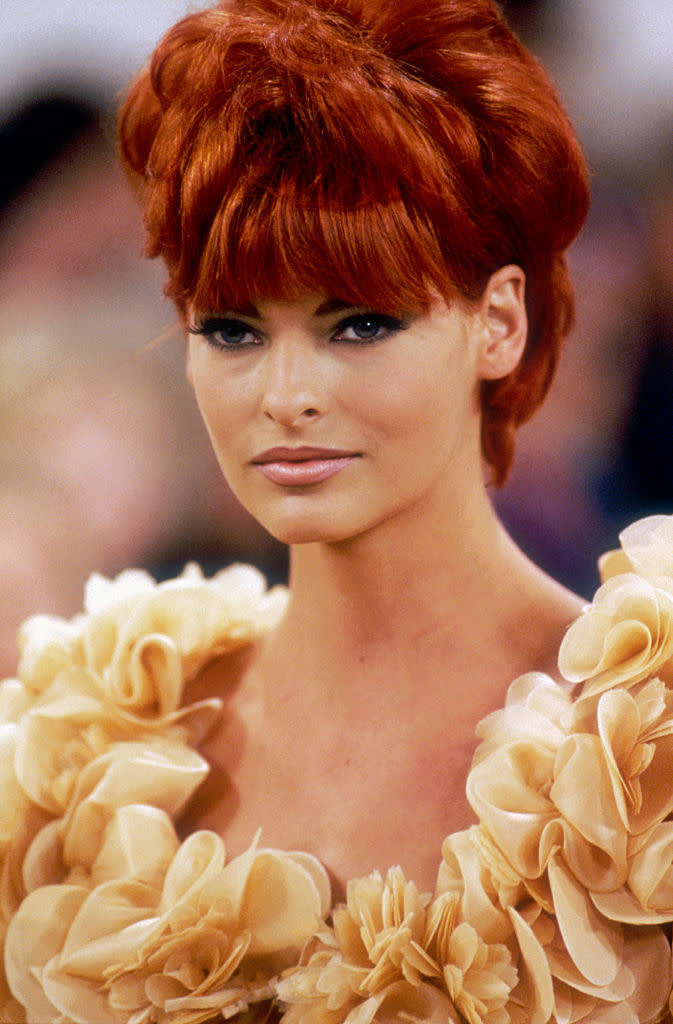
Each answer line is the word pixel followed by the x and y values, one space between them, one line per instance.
pixel 332 306
pixel 328 306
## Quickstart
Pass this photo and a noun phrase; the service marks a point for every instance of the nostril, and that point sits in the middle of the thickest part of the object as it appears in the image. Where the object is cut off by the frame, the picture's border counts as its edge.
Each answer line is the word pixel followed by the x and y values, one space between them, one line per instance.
pixel 310 413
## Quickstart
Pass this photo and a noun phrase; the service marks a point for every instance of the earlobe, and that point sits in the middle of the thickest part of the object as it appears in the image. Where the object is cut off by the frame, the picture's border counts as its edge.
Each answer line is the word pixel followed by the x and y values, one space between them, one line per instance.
pixel 504 322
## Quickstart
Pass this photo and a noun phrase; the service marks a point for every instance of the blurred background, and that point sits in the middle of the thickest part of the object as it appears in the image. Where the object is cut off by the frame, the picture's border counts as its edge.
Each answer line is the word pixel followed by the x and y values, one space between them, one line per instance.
pixel 103 460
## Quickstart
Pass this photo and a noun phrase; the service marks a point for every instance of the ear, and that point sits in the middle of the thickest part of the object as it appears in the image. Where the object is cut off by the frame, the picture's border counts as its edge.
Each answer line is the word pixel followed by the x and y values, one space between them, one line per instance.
pixel 504 323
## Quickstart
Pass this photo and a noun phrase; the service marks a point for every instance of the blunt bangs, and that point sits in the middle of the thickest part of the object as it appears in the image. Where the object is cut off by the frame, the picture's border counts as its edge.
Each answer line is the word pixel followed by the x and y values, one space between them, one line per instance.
pixel 272 246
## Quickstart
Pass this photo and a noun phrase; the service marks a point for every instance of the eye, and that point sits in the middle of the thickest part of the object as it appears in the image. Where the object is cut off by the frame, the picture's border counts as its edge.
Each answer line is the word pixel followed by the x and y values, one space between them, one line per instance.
pixel 226 333
pixel 364 328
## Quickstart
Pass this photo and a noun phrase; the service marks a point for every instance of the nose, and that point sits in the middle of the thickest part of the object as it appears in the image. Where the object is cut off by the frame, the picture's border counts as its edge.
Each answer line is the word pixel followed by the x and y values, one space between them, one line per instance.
pixel 292 390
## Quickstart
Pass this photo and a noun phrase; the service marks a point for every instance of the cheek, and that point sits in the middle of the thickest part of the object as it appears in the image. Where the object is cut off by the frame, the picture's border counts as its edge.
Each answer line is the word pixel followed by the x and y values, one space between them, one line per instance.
pixel 220 411
pixel 407 404
pixel 427 415
pixel 205 399
pixel 217 395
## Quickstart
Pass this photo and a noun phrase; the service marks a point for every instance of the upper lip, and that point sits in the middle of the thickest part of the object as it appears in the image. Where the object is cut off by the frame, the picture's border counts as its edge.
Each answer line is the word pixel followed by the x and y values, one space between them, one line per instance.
pixel 302 454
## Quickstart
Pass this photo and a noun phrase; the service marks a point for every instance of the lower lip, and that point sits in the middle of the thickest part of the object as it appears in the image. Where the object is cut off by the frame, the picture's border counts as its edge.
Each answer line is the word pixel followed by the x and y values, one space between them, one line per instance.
pixel 300 474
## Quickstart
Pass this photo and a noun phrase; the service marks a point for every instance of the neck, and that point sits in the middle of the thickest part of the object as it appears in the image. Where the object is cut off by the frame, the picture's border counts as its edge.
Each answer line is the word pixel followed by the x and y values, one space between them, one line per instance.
pixel 399 569
pixel 405 598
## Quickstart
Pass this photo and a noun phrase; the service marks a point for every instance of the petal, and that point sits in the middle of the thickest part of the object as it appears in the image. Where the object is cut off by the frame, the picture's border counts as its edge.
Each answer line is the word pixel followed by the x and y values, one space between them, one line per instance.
pixel 657 790
pixel 139 842
pixel 51 743
pixel 594 944
pixel 199 859
pixel 613 563
pixel 43 862
pixel 152 678
pixel 77 999
pixel 463 871
pixel 647 953
pixel 619 729
pixel 102 594
pixel 15 700
pixel 109 927
pixel 282 905
pixel 48 645
pixel 591 810
pixel 35 934
pixel 14 801
pixel 507 791
pixel 415 1004
pixel 651 874
pixel 535 990
pixel 623 906
pixel 648 545
pixel 319 876
pixel 157 772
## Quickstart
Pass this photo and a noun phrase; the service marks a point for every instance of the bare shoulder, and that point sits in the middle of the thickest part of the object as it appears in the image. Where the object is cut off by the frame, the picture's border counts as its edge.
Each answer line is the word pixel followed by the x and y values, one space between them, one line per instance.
pixel 546 612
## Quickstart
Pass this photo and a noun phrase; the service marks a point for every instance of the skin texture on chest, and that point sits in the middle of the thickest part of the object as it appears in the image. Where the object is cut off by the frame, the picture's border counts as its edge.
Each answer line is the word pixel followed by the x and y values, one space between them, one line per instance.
pixel 360 792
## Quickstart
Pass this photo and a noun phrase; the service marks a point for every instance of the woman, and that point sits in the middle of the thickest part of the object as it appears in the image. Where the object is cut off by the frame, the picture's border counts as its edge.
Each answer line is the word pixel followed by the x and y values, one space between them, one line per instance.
pixel 363 208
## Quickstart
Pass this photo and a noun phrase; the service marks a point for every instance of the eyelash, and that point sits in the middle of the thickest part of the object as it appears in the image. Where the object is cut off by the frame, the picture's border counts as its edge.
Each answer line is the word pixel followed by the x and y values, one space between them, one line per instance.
pixel 210 328
pixel 214 326
pixel 389 325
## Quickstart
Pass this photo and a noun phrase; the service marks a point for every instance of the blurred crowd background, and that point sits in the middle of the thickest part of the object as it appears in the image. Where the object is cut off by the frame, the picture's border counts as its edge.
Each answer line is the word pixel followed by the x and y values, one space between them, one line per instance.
pixel 103 460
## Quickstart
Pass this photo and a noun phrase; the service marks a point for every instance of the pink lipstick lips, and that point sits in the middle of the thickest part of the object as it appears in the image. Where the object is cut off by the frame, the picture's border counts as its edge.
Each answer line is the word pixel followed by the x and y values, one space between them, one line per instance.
pixel 298 467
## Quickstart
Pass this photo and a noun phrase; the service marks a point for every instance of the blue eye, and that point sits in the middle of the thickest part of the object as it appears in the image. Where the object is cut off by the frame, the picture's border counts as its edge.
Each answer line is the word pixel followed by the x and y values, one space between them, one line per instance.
pixel 364 328
pixel 226 333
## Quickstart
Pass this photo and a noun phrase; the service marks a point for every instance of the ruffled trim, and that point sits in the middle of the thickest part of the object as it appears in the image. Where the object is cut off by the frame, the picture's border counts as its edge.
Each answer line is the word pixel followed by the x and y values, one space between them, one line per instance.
pixel 553 908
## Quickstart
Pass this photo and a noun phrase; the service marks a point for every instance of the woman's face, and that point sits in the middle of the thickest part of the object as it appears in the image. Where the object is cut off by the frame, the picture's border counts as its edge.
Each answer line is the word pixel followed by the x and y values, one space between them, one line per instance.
pixel 328 421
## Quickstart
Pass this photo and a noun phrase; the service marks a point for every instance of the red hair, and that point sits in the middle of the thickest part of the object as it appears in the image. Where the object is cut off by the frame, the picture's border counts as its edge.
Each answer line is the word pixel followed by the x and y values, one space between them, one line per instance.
pixel 378 152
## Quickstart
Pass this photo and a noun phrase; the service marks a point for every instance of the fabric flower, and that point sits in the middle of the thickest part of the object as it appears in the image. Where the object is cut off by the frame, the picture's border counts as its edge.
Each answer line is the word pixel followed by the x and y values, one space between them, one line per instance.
pixel 375 944
pixel 624 637
pixel 633 990
pixel 475 872
pixel 474 869
pixel 14 803
pixel 71 725
pixel 394 955
pixel 536 709
pixel 646 549
pixel 96 720
pixel 509 790
pixel 479 976
pixel 636 734
pixel 143 641
pixel 209 939
pixel 647 898
pixel 14 700
pixel 562 838
pixel 552 910
pixel 158 774
pixel 146 648
pixel 571 843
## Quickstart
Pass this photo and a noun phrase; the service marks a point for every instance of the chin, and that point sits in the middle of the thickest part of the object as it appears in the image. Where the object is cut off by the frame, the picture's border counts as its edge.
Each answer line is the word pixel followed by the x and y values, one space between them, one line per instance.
pixel 309 528
pixel 310 517
pixel 314 533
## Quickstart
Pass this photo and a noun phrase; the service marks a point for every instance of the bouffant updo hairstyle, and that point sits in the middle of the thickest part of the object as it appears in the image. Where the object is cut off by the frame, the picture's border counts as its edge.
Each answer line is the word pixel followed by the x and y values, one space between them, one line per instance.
pixel 376 151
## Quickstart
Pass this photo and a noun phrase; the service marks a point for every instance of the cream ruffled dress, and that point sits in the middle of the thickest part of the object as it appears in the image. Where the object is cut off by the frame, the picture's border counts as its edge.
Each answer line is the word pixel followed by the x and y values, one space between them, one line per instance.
pixel 555 907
